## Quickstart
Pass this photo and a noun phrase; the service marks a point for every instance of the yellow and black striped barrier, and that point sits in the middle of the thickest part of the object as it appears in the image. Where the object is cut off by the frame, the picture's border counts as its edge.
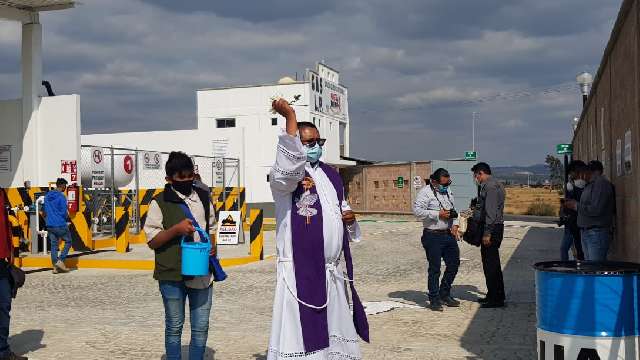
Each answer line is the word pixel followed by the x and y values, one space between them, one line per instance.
pixel 79 228
pixel 82 238
pixel 145 196
pixel 236 200
pixel 256 233
pixel 122 228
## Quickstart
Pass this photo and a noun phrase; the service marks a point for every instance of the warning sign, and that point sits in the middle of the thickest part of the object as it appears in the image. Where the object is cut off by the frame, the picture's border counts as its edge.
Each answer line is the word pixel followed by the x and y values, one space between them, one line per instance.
pixel 229 228
pixel 218 169
pixel 98 178
pixel 128 164
pixel 417 182
pixel 151 160
pixel 5 158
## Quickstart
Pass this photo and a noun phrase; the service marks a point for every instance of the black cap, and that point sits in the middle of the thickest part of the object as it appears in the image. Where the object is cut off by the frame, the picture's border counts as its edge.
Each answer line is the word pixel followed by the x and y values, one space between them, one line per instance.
pixel 61 182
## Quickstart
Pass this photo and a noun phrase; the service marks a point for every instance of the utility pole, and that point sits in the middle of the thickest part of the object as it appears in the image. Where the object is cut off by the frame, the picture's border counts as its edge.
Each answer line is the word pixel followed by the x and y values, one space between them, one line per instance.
pixel 473 131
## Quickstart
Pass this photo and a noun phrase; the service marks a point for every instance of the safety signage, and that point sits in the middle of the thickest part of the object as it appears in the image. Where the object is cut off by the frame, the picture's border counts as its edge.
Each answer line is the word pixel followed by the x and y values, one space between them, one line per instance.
pixel 417 182
pixel 128 164
pixel 562 149
pixel 68 167
pixel 471 155
pixel 229 229
pixel 5 158
pixel 400 182
pixel 97 170
pixel 151 160
pixel 218 164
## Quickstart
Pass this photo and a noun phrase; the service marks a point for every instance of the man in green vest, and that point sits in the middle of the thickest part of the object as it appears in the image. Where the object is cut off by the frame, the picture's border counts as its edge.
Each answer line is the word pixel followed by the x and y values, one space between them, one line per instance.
pixel 167 222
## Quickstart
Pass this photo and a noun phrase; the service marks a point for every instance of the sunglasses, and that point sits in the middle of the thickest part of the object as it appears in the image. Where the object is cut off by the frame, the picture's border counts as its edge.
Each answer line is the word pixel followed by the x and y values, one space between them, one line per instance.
pixel 313 143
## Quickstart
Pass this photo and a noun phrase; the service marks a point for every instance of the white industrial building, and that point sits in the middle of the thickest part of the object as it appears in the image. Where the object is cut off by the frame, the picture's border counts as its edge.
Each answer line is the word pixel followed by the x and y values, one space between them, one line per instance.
pixel 25 122
pixel 236 122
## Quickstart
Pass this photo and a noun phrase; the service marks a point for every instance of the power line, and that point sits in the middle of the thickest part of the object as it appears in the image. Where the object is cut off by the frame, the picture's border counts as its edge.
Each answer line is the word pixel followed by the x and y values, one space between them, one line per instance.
pixel 501 96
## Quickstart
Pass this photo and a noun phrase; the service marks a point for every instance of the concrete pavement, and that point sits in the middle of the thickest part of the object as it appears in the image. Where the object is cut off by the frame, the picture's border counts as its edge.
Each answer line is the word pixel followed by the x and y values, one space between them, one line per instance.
pixel 111 314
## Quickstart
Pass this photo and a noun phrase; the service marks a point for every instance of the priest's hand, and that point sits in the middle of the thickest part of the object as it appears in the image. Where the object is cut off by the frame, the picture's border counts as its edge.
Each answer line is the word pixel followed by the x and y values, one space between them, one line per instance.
pixel 282 107
pixel 349 217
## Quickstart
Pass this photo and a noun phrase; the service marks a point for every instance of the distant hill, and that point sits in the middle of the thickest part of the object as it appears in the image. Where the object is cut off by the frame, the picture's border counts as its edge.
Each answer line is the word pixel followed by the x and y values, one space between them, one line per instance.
pixel 539 172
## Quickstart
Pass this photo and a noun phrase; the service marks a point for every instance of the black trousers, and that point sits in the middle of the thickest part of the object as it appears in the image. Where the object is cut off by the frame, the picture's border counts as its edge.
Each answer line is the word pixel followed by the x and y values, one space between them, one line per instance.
pixel 491 266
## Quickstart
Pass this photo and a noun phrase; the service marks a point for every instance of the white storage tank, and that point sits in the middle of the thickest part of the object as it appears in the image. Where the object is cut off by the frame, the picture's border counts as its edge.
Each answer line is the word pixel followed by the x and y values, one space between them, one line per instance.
pixel 124 169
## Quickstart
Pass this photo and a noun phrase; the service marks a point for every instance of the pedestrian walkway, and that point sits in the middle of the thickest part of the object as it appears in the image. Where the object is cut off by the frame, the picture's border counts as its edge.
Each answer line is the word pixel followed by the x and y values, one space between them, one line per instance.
pixel 111 314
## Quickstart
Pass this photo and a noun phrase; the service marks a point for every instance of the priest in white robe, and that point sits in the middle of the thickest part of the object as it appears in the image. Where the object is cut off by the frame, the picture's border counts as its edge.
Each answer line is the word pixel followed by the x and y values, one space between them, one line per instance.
pixel 312 319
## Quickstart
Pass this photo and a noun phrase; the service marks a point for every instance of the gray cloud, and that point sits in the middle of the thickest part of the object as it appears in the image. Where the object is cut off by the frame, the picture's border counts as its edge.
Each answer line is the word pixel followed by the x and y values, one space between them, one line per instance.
pixel 411 66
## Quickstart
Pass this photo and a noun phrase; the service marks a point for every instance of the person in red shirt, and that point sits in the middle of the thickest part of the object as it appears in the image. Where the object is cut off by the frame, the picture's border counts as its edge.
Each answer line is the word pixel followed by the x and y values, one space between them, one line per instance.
pixel 6 257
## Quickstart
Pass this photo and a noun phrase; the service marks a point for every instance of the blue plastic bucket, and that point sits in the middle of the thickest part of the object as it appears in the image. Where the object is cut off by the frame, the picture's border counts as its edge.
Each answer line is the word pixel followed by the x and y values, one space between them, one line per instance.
pixel 588 310
pixel 195 255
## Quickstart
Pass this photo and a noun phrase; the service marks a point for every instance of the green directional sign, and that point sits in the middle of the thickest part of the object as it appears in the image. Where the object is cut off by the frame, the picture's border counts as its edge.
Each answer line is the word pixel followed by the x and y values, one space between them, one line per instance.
pixel 400 182
pixel 471 155
pixel 562 149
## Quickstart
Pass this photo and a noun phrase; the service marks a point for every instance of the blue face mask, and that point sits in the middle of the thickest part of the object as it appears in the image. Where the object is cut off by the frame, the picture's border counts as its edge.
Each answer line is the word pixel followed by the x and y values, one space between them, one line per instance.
pixel 443 189
pixel 314 154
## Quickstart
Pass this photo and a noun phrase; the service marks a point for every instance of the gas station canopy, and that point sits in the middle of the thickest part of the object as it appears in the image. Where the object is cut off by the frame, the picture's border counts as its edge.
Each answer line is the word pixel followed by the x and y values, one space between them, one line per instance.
pixel 38 5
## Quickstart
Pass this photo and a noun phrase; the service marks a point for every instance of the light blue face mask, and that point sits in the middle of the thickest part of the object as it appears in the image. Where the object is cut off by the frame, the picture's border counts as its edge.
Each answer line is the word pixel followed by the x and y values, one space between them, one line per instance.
pixel 314 154
pixel 443 189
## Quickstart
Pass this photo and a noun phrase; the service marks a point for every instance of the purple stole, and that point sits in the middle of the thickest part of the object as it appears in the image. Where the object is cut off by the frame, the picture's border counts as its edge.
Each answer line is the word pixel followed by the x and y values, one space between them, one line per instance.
pixel 309 264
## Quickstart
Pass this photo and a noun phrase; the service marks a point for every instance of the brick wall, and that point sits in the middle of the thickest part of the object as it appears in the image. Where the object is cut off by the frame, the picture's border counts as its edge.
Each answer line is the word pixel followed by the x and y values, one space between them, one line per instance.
pixel 375 187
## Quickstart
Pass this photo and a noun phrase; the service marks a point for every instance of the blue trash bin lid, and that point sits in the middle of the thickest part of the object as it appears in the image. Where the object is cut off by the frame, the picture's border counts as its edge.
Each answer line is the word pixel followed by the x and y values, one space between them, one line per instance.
pixel 589 267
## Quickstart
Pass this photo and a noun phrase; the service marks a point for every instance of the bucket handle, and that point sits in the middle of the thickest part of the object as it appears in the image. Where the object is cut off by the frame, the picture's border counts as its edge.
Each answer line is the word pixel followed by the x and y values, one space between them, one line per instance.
pixel 204 237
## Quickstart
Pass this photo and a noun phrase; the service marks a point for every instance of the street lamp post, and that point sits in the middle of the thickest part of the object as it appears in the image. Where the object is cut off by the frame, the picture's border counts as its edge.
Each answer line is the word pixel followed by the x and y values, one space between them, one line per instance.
pixel 585 80
pixel 473 131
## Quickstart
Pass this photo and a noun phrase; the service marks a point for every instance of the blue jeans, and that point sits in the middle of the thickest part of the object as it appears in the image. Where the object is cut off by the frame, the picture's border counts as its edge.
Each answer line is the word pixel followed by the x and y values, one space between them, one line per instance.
pixel 440 246
pixel 595 243
pixel 174 294
pixel 55 234
pixel 5 310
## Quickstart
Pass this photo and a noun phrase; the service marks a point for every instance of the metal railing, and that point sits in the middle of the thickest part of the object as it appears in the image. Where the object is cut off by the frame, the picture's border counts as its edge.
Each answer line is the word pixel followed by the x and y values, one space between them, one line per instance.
pixel 113 176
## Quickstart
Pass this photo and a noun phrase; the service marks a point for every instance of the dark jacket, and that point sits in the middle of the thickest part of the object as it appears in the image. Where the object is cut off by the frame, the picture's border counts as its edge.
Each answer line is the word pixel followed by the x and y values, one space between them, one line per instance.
pixel 597 204
pixel 490 207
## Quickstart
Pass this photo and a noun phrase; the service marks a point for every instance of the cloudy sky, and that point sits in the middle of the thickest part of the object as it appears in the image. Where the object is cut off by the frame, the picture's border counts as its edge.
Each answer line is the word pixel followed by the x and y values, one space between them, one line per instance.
pixel 415 69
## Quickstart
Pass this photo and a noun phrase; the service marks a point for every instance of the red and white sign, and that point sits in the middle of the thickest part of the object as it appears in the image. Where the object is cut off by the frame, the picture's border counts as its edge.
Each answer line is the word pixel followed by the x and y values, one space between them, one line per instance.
pixel 128 164
pixel 68 167
pixel 74 177
pixel 97 156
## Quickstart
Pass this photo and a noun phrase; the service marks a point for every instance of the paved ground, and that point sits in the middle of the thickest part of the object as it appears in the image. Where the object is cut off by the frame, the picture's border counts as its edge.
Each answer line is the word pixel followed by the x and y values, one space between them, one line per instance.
pixel 98 314
pixel 142 251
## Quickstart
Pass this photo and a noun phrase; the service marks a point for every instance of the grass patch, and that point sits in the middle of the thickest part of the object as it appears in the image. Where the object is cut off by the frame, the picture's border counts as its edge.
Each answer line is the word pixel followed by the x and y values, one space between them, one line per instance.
pixel 540 208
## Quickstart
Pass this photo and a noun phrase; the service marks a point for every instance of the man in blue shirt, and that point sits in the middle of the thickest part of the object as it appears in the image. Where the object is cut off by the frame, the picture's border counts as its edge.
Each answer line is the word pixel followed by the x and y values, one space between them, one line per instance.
pixel 56 216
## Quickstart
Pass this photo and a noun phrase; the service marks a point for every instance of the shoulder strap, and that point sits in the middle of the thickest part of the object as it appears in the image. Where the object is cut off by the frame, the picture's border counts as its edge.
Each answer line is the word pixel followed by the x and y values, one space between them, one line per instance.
pixel 205 199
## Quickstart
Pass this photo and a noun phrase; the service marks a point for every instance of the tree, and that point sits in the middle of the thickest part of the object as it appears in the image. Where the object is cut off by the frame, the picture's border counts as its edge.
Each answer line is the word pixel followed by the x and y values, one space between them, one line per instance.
pixel 556 170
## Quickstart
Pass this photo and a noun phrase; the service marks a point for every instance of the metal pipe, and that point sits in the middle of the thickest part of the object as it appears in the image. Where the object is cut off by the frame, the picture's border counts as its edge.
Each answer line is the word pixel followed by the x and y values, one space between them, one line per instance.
pixel 137 195
pixel 113 194
pixel 43 233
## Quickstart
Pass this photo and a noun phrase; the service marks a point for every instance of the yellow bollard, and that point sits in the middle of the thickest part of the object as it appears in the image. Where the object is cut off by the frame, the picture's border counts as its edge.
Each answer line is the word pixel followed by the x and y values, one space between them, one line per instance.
pixel 122 229
pixel 256 233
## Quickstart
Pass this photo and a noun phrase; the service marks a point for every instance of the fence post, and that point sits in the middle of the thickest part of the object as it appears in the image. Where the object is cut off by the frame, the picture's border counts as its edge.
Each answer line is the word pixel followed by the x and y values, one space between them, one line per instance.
pixel 137 198
pixel 113 192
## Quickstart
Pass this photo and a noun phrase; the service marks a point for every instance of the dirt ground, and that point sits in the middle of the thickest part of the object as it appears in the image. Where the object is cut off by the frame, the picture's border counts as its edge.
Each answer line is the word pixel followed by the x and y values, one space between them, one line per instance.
pixel 519 199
